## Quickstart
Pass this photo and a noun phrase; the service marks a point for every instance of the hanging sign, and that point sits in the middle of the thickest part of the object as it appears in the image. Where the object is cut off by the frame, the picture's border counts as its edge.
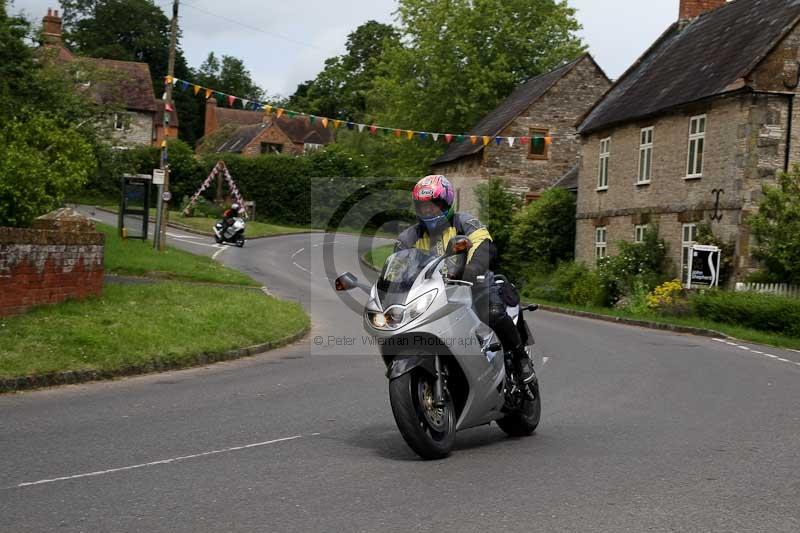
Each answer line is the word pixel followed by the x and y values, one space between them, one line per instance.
pixel 158 176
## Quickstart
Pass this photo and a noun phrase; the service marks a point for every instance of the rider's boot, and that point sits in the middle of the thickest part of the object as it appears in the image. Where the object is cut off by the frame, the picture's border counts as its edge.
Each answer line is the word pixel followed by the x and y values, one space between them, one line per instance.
pixel 524 365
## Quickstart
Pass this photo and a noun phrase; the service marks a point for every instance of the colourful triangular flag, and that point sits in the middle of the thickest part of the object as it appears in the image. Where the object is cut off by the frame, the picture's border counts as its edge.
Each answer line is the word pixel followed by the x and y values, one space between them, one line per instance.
pixel 197 89
pixel 267 109
pixel 231 100
pixel 448 137
pixel 397 133
pixel 164 143
pixel 460 138
pixel 311 119
pixel 423 135
pixel 324 122
pixel 524 140
pixel 168 108
pixel 498 140
pixel 473 139
pixel 184 85
pixel 350 125
pixel 360 128
pixel 409 134
pixel 510 141
pixel 373 129
pixel 245 103
pixel 208 93
pixel 548 140
pixel 291 114
pixel 435 137
pixel 279 112
pixel 168 79
pixel 336 124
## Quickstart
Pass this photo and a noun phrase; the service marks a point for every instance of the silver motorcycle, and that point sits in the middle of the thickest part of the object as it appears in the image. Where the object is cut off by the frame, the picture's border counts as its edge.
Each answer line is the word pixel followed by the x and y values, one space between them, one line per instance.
pixel 446 369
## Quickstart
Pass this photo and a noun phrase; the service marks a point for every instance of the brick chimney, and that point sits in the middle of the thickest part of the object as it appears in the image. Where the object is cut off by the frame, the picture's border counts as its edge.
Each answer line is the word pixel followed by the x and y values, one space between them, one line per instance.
pixel 691 9
pixel 51 27
pixel 211 115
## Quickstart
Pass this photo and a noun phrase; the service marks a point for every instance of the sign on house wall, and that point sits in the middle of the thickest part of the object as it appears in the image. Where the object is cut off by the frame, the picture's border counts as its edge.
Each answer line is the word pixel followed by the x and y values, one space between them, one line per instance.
pixel 704 264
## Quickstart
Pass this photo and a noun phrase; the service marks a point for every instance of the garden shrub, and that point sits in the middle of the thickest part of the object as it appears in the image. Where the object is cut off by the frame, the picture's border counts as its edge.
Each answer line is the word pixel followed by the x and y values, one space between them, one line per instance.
pixel 766 312
pixel 636 264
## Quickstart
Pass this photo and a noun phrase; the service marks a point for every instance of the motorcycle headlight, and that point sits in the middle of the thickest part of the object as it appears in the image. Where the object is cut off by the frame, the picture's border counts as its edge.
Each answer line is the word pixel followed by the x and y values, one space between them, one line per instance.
pixel 399 315
pixel 421 304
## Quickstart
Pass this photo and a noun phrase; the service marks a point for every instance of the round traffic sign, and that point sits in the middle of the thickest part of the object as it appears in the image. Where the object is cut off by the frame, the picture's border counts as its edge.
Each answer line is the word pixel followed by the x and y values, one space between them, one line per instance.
pixel 166 196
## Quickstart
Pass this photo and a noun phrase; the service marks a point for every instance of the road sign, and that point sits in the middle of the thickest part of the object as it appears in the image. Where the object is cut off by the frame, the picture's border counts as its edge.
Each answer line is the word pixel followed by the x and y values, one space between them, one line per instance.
pixel 158 176
pixel 704 266
pixel 166 196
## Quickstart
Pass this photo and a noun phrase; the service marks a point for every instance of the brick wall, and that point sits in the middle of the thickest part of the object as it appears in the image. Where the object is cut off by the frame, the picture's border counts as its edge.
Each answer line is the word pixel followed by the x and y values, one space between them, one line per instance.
pixel 60 258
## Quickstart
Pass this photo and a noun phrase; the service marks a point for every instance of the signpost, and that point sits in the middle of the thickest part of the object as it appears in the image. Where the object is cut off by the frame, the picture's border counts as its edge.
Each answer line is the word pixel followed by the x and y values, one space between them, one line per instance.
pixel 704 264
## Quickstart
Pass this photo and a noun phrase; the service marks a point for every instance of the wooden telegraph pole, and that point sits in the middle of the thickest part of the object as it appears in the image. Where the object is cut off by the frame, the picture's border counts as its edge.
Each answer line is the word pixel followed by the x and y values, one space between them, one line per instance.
pixel 160 239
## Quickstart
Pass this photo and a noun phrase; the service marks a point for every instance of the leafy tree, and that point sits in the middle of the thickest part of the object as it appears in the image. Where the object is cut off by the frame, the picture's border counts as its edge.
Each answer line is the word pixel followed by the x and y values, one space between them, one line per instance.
pixel 497 209
pixel 229 75
pixel 777 228
pixel 458 59
pixel 544 232
pixel 341 88
pixel 40 162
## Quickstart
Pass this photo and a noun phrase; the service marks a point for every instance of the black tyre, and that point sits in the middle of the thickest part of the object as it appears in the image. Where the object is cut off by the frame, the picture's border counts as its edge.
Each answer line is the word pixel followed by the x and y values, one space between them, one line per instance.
pixel 524 422
pixel 240 241
pixel 429 431
pixel 216 238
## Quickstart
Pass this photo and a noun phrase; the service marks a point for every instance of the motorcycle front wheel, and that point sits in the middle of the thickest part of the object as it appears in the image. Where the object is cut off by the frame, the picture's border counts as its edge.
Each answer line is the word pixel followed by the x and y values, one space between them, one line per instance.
pixel 240 241
pixel 429 431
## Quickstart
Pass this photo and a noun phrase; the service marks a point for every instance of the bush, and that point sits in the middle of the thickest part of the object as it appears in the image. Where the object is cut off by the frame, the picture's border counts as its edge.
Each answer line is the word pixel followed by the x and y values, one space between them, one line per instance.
pixel 497 208
pixel 40 163
pixel 572 283
pixel 764 312
pixel 776 227
pixel 544 232
pixel 669 298
pixel 636 264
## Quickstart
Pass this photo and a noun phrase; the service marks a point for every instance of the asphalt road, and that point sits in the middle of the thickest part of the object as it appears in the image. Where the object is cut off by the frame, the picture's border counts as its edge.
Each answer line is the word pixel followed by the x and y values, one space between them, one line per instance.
pixel 641 430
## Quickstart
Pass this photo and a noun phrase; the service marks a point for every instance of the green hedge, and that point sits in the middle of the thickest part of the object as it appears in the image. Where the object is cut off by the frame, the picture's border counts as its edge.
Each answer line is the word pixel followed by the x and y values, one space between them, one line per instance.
pixel 754 310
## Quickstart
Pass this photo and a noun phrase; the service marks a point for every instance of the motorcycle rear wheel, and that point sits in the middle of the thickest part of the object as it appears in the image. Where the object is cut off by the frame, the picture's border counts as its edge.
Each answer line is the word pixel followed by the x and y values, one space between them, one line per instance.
pixel 429 431
pixel 524 422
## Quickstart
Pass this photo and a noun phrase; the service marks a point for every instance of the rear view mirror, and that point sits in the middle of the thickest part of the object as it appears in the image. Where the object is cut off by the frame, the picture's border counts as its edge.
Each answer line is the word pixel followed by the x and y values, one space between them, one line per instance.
pixel 346 281
pixel 458 245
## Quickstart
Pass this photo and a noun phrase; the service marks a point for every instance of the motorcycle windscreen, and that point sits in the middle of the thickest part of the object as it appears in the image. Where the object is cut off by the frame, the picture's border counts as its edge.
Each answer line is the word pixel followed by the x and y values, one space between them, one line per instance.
pixel 399 274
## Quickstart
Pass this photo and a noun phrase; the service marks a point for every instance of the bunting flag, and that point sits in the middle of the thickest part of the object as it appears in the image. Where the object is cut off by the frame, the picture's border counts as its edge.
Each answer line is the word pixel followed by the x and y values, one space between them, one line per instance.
pixel 372 128
pixel 169 108
pixel 219 167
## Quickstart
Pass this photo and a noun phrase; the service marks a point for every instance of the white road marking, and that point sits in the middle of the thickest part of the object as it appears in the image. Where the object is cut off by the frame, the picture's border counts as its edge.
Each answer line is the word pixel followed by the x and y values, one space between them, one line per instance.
pixel 222 249
pixel 783 360
pixel 295 263
pixel 155 463
pixel 301 268
pixel 297 252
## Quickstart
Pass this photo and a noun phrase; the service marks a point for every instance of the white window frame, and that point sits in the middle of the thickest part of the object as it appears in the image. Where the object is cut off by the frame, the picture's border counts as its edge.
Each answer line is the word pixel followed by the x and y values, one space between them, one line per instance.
pixel 311 147
pixel 646 138
pixel 600 242
pixel 602 170
pixel 121 122
pixel 697 146
pixel 638 233
pixel 688 239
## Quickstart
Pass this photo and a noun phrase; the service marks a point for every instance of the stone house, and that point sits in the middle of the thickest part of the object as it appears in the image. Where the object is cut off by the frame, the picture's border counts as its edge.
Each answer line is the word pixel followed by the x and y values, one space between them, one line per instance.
pixel 125 86
pixel 544 108
pixel 691 132
pixel 253 133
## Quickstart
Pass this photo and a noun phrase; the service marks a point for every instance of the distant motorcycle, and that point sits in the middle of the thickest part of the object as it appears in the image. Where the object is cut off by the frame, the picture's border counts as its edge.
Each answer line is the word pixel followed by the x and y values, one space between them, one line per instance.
pixel 233 234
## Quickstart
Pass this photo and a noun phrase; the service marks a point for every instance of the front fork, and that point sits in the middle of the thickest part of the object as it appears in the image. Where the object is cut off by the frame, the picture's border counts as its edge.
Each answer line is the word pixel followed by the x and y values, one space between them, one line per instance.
pixel 438 386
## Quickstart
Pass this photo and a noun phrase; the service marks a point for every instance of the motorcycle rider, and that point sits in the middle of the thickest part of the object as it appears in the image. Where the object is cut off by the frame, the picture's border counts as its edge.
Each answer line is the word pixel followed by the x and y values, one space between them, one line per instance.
pixel 438 222
pixel 230 215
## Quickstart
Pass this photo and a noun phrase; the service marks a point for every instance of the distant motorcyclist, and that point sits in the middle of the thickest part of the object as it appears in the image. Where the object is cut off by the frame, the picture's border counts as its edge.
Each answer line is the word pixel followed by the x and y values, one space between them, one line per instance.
pixel 230 215
pixel 438 222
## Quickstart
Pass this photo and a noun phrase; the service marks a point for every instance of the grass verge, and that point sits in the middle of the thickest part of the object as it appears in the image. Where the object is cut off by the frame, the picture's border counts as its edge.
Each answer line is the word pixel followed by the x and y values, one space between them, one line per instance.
pixel 137 258
pixel 133 324
pixel 738 332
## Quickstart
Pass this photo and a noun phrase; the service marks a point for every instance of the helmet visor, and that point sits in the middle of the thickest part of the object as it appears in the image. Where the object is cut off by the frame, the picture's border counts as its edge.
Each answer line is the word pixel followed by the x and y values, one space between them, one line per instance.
pixel 428 210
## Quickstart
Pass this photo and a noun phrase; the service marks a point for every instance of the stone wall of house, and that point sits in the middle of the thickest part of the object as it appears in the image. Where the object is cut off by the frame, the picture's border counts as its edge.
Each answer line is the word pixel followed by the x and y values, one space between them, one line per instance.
pixel 557 111
pixel 140 131
pixel 60 258
pixel 744 149
pixel 273 135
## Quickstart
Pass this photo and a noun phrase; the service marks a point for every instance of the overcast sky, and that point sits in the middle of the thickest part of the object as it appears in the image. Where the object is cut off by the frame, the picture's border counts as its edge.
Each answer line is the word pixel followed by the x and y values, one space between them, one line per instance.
pixel 285 43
